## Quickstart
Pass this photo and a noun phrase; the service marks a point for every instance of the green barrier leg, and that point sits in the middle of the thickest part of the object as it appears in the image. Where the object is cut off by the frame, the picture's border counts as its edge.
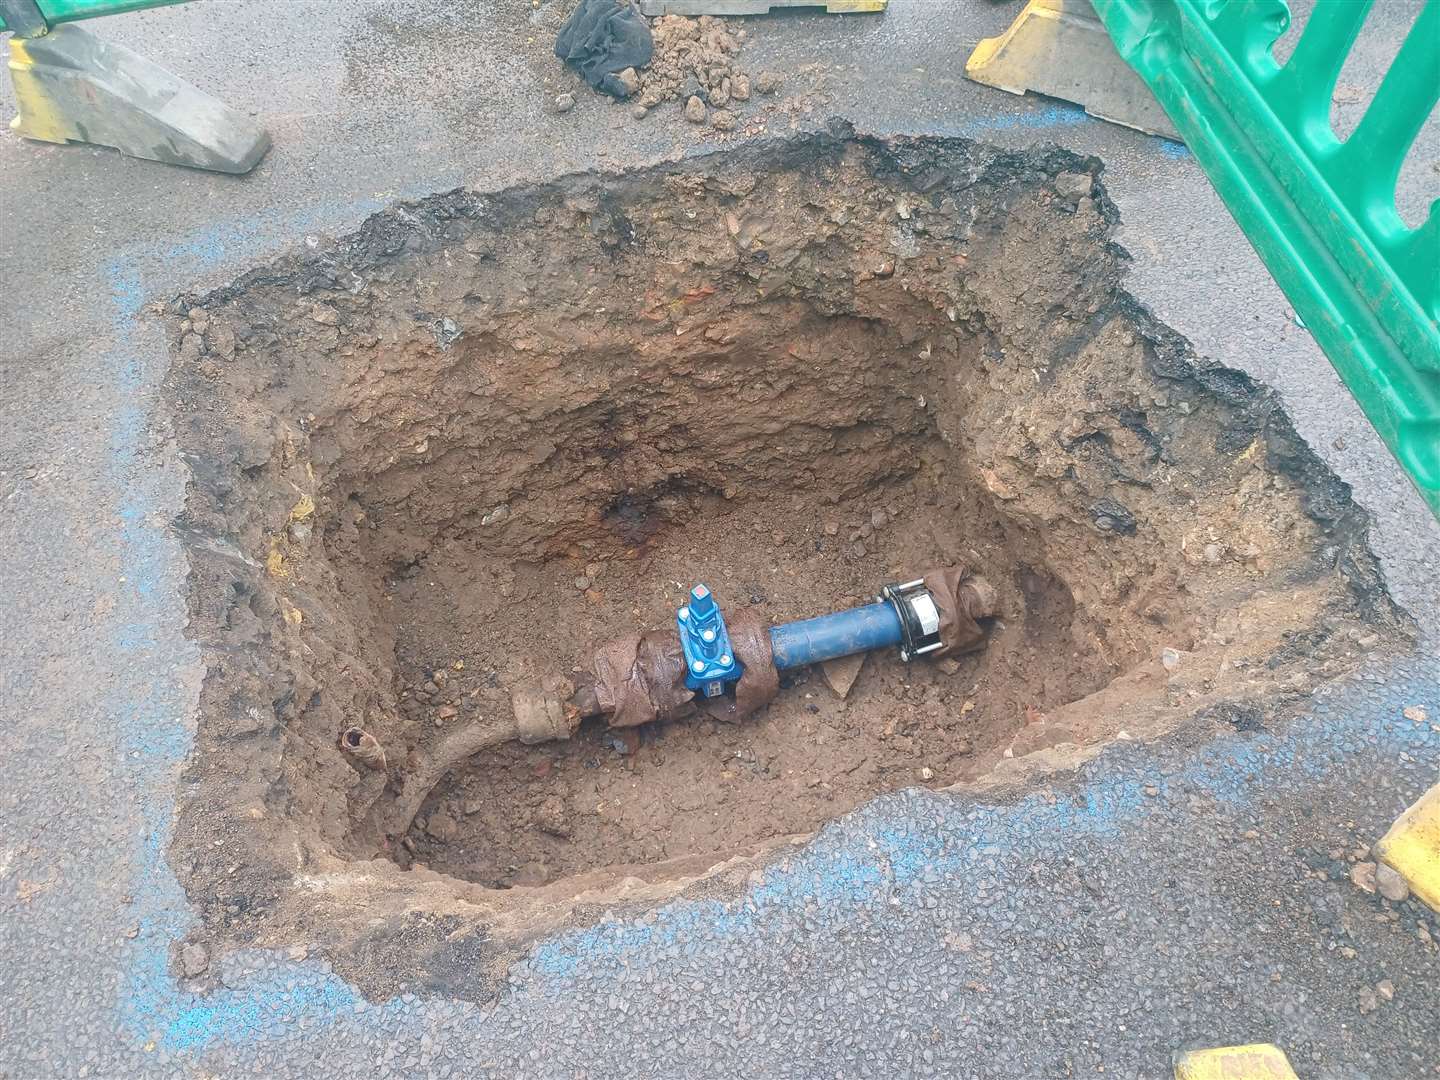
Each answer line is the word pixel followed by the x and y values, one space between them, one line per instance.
pixel 72 87
pixel 1320 213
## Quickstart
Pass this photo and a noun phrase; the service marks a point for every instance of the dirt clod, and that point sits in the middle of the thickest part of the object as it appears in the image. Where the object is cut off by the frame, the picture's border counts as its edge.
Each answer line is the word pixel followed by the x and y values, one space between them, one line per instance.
pixel 768 82
pixel 441 826
pixel 194 960
pixel 695 110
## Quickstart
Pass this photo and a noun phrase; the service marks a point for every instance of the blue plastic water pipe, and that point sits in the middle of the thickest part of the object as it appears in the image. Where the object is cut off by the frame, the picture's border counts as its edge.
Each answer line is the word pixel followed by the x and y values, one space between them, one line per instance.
pixel 874 626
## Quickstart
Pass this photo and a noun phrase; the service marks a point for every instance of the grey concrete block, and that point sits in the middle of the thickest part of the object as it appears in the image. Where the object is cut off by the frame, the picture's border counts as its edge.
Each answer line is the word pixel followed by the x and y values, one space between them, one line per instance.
pixel 72 87
pixel 1061 49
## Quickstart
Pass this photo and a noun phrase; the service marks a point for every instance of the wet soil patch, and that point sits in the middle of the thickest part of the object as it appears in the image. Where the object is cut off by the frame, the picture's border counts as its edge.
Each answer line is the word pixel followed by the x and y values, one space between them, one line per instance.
pixel 445 456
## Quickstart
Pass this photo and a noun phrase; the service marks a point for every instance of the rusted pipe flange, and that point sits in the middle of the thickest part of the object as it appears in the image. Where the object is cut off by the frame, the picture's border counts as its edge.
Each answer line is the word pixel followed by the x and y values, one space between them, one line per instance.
pixel 961 598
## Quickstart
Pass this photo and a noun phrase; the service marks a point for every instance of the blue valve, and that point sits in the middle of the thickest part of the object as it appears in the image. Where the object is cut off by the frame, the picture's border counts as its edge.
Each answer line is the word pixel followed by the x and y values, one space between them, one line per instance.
pixel 710 664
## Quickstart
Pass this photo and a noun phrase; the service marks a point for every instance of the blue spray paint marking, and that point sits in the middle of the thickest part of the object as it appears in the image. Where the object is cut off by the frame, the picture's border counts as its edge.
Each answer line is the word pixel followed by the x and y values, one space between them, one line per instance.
pixel 152 732
pixel 1058 114
pixel 1177 150
pixel 844 879
pixel 906 853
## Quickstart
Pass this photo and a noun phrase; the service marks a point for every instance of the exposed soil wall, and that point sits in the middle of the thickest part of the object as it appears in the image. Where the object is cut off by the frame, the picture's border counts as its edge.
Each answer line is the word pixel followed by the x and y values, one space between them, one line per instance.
pixel 453 451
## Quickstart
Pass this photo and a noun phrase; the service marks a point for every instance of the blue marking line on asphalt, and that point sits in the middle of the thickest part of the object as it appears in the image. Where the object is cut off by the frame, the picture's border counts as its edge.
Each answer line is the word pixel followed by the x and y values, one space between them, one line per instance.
pixel 913 852
pixel 1057 114
pixel 153 731
pixel 155 735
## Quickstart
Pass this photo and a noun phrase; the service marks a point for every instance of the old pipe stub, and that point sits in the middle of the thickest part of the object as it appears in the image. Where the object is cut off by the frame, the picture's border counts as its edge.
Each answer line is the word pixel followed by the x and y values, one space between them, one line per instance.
pixel 364 748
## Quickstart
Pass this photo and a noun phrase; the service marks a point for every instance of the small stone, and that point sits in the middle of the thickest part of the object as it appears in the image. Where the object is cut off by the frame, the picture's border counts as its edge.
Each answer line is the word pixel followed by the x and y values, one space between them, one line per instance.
pixel 1074 185
pixel 740 87
pixel 865 531
pixel 1213 552
pixel 1390 884
pixel 594 570
pixel 927 773
pixel 723 120
pixel 447 712
pixel 695 110
pixel 857 549
pixel 1369 1001
pixel 564 103
pixel 472 806
pixel 1386 989
pixel 300 531
pixel 878 518
pixel 582 583
pixel 639 112
pixel 1151 790
pixel 1417 713
pixel 194 959
pixel 832 528
pixel 691 88
pixel 133 932
pixel 948 666
pixel 441 826
pixel 1170 659
pixel 767 82
pixel 630 80
pixel 1362 876
pixel 885 268
pixel 842 672
pixel 199 318
pixel 298 952
pixel 324 314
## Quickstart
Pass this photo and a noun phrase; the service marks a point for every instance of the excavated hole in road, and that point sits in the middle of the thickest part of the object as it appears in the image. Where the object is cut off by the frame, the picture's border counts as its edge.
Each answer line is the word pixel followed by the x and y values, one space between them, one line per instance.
pixel 456 450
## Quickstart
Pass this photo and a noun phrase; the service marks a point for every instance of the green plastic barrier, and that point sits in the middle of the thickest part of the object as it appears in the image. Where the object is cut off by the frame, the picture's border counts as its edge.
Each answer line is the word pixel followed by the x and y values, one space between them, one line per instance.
pixel 1320 212
pixel 63 11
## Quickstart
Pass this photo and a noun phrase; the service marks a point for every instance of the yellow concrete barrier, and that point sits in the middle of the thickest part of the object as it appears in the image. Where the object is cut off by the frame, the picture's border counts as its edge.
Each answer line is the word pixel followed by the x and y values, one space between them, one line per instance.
pixel 1258 1061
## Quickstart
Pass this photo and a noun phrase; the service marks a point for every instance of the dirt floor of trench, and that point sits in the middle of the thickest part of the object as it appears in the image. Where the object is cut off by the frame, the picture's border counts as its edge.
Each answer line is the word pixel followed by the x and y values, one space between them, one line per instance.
pixel 439 458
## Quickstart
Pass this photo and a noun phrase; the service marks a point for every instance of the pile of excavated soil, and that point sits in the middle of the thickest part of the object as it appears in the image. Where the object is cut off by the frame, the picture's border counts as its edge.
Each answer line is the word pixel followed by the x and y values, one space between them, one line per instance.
pixel 445 456
pixel 697 63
